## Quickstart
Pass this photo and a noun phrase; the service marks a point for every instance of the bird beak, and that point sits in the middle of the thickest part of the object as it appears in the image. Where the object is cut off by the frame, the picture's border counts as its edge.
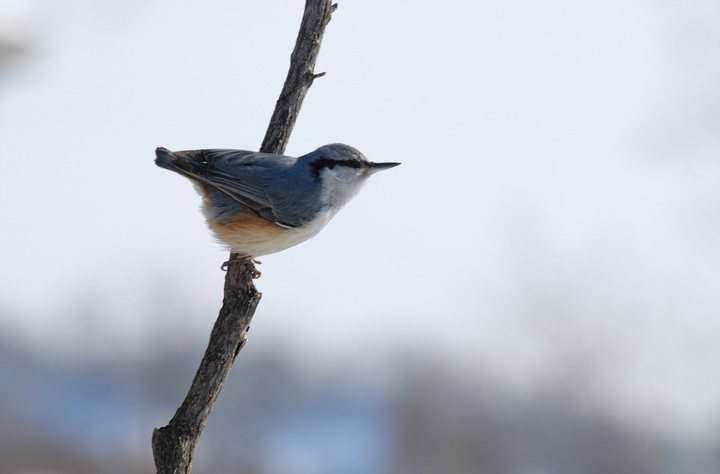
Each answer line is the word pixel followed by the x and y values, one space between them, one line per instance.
pixel 375 167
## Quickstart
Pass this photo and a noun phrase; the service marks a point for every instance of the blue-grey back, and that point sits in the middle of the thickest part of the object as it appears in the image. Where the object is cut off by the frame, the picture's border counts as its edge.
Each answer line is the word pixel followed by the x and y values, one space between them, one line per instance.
pixel 277 187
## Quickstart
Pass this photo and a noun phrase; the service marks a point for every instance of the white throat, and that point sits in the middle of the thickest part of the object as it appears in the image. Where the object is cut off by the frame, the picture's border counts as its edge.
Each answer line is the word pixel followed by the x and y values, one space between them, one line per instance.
pixel 339 185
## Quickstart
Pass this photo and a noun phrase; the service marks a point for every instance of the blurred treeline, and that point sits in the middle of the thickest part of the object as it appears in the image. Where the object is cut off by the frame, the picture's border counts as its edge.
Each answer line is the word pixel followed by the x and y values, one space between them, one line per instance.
pixel 97 418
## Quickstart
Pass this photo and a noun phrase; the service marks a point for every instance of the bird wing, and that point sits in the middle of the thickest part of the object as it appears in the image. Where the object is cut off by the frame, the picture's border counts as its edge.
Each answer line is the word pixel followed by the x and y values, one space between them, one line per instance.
pixel 240 174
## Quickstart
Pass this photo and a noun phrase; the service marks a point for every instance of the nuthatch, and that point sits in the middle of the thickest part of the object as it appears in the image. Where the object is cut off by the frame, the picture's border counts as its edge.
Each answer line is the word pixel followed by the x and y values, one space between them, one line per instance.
pixel 260 203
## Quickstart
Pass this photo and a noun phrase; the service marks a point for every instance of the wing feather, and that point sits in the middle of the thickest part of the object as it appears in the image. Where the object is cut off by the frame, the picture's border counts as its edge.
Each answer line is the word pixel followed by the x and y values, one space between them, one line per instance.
pixel 240 174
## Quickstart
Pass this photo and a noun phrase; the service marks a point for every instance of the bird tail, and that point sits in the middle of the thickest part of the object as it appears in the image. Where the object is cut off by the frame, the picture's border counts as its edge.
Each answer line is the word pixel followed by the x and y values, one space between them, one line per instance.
pixel 188 163
pixel 164 158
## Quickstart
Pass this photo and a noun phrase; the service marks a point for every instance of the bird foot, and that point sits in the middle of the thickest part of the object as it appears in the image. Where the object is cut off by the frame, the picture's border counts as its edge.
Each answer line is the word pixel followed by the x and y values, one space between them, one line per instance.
pixel 235 259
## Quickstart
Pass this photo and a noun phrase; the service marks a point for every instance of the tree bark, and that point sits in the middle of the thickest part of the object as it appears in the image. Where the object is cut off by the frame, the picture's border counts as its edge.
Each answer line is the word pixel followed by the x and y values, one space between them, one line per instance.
pixel 300 75
pixel 174 445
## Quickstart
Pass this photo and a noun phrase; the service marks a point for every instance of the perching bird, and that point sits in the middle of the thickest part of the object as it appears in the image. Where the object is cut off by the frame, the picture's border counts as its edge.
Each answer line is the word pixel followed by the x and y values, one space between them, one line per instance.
pixel 260 203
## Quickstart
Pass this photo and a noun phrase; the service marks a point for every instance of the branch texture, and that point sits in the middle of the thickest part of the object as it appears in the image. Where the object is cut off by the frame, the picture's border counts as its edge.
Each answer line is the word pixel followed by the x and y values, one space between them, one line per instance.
pixel 300 75
pixel 174 445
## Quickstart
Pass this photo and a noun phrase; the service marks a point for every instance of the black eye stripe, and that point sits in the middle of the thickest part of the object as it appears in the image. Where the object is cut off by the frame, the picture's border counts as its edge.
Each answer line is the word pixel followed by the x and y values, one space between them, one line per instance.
pixel 322 163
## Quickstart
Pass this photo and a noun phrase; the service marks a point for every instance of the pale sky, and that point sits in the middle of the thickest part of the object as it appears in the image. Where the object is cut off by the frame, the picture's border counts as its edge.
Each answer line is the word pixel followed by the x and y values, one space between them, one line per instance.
pixel 556 211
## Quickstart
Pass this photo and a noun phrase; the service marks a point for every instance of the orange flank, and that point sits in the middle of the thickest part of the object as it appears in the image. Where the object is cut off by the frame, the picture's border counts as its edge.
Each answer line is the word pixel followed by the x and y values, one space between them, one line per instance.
pixel 247 228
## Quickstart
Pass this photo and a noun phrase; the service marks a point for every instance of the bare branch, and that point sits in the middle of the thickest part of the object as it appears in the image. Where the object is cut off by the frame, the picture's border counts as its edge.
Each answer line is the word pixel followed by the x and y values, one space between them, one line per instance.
pixel 174 444
pixel 300 75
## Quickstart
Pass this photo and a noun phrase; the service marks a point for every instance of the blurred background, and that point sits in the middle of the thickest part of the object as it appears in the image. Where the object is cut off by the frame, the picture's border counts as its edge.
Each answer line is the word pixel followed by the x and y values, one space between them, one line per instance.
pixel 535 289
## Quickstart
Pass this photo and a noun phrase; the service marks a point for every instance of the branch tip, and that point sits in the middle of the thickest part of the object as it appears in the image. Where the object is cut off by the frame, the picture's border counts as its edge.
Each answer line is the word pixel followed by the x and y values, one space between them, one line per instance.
pixel 321 74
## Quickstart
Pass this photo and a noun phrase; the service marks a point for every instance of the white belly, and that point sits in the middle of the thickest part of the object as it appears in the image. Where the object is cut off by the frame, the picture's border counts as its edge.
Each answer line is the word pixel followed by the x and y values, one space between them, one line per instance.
pixel 255 236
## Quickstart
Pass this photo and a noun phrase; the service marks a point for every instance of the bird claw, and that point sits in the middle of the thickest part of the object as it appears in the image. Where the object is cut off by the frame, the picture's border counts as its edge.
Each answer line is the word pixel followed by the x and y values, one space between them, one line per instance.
pixel 255 272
